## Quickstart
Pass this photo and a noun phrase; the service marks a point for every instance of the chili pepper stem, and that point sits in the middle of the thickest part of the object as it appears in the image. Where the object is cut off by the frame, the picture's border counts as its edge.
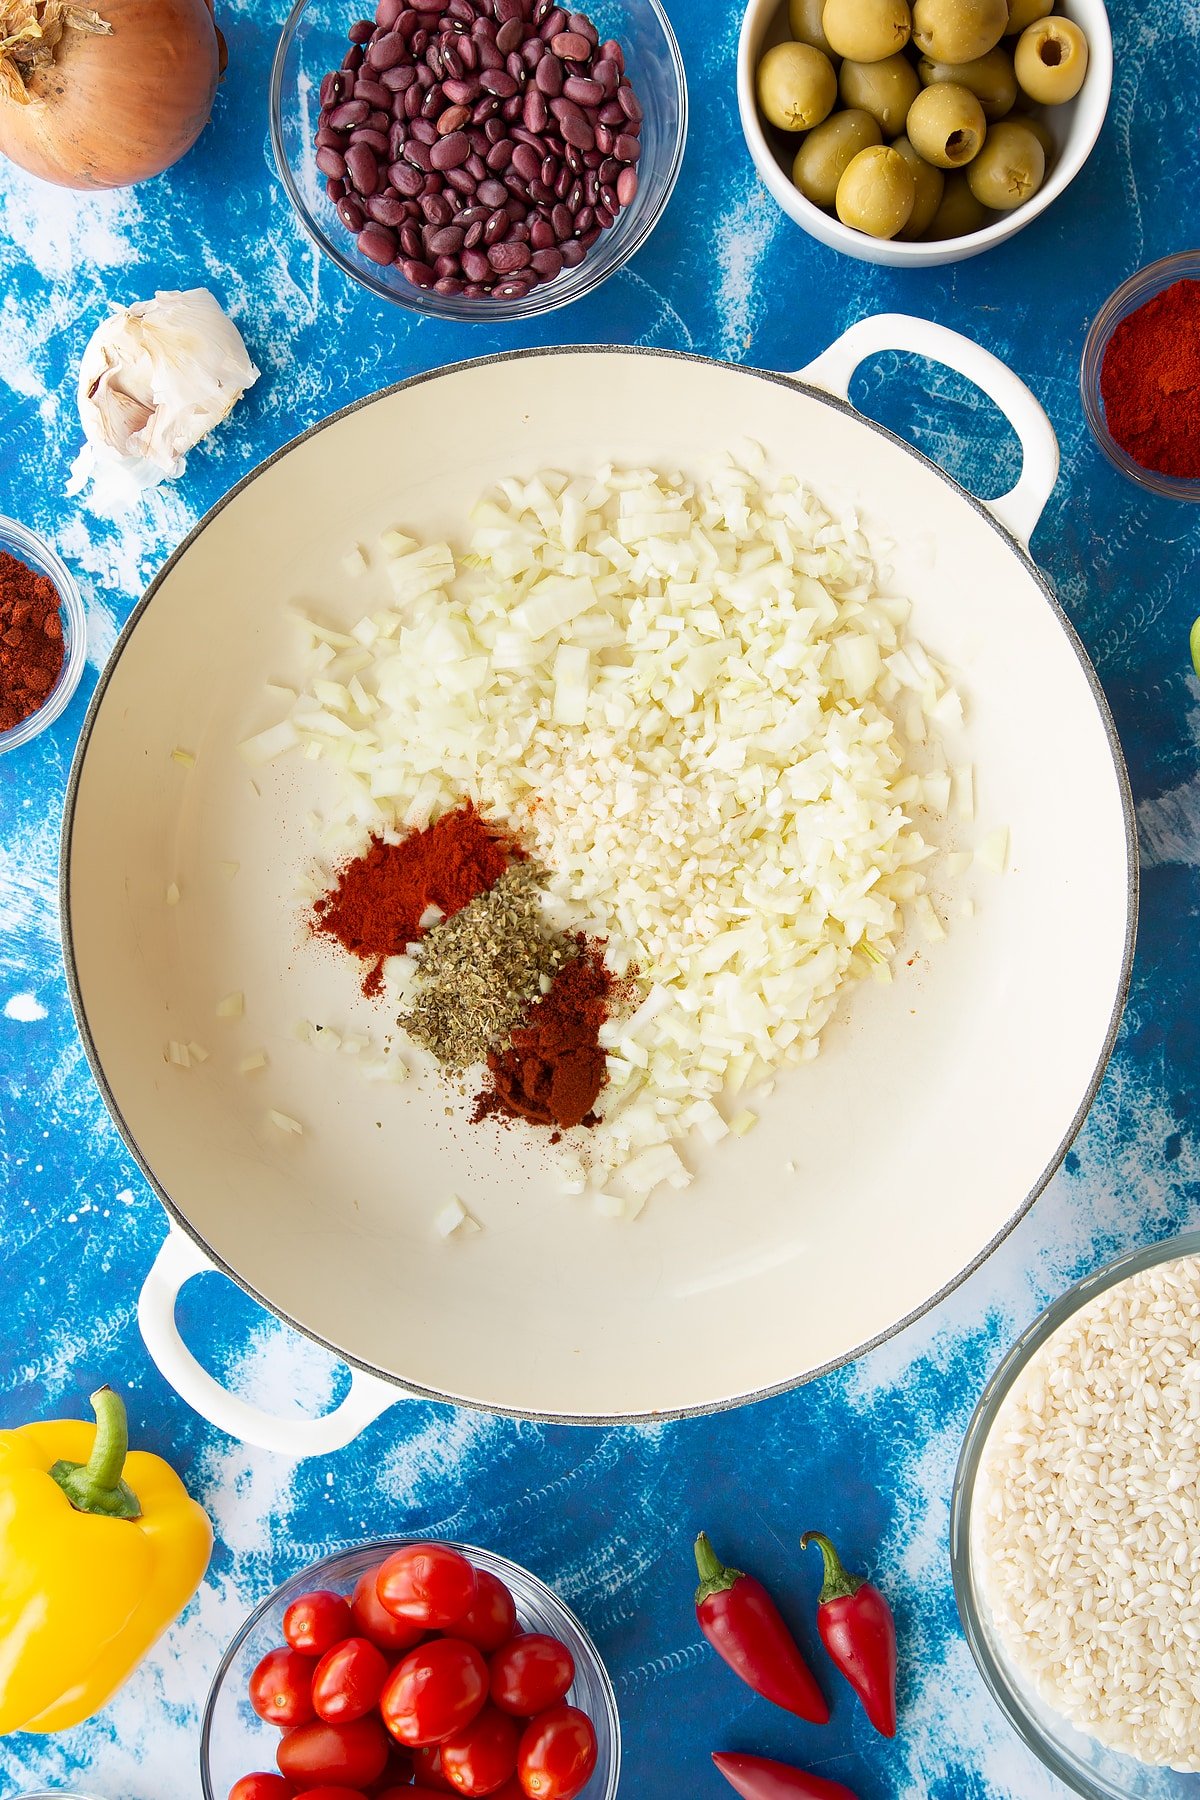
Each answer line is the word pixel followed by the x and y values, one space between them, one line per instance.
pixel 96 1485
pixel 839 1584
pixel 715 1577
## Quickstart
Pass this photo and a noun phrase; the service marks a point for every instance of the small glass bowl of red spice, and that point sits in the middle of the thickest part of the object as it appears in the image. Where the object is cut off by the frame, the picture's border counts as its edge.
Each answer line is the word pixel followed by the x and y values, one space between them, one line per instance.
pixel 43 634
pixel 1140 377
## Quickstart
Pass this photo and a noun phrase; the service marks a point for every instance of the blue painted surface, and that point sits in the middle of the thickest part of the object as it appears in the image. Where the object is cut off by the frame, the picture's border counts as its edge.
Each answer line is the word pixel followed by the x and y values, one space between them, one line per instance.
pixel 606 1516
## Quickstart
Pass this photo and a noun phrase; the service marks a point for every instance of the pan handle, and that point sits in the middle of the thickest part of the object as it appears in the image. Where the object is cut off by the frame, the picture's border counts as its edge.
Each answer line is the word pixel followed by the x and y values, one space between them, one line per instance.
pixel 1020 509
pixel 177 1261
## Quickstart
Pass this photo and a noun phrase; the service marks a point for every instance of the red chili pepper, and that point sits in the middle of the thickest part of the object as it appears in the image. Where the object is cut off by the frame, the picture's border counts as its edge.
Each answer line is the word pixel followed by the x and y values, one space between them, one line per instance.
pixel 755 1778
pixel 743 1625
pixel 859 1632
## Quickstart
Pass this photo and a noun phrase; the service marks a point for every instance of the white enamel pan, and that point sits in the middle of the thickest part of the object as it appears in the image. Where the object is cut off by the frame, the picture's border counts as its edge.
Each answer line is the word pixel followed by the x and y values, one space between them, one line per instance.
pixel 879 1176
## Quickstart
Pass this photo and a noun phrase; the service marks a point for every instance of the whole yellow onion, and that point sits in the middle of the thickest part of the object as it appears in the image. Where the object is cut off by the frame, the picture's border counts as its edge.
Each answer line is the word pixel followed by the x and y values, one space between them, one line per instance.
pixel 105 98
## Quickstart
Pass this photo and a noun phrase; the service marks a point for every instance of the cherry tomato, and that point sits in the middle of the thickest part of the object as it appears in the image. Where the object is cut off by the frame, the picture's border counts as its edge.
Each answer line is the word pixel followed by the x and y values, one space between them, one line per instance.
pixel 435 1691
pixel 316 1622
pixel 348 1681
pixel 281 1688
pixel 530 1674
pixel 557 1754
pixel 373 1620
pixel 334 1793
pixel 262 1787
pixel 428 1584
pixel 427 1769
pixel 491 1619
pixel 483 1755
pixel 351 1755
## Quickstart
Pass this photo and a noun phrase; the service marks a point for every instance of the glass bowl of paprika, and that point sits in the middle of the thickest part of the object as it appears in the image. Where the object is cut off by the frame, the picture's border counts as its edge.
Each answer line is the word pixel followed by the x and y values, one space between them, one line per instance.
pixel 43 635
pixel 1140 377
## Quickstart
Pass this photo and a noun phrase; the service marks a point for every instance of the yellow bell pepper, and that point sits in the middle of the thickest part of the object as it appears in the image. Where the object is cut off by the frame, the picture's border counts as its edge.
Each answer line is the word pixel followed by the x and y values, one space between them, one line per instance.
pixel 100 1549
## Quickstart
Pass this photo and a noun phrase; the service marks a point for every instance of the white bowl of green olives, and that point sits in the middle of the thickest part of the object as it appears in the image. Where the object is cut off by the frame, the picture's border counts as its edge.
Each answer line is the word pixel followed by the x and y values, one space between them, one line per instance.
pixel 916 132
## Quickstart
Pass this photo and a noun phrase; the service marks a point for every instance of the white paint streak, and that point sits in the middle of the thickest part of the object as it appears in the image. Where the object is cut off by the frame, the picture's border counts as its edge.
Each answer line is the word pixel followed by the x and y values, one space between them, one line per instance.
pixel 25 1009
pixel 743 238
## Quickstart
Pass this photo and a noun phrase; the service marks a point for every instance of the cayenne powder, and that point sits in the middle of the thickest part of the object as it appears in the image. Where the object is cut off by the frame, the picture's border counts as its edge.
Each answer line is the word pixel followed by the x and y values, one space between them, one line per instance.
pixel 31 640
pixel 554 1066
pixel 375 909
pixel 1150 382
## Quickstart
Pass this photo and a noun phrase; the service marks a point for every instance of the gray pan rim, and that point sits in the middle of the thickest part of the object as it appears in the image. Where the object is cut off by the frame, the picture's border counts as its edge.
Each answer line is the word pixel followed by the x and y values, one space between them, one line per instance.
pixel 408 1389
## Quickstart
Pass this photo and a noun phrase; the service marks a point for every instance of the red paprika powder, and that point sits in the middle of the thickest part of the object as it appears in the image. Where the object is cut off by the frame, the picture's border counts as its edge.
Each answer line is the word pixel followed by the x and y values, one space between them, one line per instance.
pixel 31 640
pixel 375 909
pixel 1150 382
pixel 553 1068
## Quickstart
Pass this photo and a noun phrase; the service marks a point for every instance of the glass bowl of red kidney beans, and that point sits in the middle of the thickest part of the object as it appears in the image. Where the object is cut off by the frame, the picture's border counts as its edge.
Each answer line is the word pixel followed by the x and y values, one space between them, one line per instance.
pixel 264 1682
pixel 479 159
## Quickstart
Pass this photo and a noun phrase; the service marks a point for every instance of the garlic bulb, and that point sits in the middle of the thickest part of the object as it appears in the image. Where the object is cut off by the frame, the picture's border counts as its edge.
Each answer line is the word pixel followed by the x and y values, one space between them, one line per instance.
pixel 156 377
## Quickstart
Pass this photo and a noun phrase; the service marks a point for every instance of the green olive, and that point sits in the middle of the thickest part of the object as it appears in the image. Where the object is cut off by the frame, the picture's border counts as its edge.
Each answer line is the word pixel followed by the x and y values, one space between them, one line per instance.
pixel 930 186
pixel 877 192
pixel 1041 132
pixel 946 125
pixel 1051 60
pixel 1023 12
pixel 991 79
pixel 796 86
pixel 822 158
pixel 804 20
pixel 867 30
pixel 1009 169
pixel 958 31
pixel 960 212
pixel 884 89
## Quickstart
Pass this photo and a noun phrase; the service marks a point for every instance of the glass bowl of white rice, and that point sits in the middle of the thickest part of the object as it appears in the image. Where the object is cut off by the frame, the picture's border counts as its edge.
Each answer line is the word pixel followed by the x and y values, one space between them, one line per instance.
pixel 1075 1530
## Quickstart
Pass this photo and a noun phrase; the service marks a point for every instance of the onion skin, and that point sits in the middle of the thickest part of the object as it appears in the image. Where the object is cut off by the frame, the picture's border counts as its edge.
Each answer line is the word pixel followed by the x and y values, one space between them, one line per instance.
pixel 112 111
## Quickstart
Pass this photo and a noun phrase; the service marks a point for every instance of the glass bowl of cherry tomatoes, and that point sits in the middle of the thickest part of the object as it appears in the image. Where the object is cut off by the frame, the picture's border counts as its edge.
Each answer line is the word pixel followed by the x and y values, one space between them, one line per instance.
pixel 406 1667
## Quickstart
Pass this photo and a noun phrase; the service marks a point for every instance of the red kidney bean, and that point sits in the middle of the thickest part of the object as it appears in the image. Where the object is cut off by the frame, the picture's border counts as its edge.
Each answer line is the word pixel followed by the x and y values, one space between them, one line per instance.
pixel 579 22
pixel 549 169
pixel 475 265
pixel 406 23
pixel 387 51
pixel 426 7
pixel 461 181
pixel 548 262
pixel 387 13
pixel 563 221
pixel 433 60
pixel 373 92
pixel 549 76
pixel 436 209
pixel 351 214
pixel 510 36
pixel 362 166
pixel 485 110
pixel 387 209
pixel 591 187
pixel 629 103
pixel 511 109
pixel 627 149
pixel 506 10
pixel 494 130
pixel 468 54
pixel 453 119
pixel 583 91
pixel 583 219
pixel 513 289
pixel 606 75
pixel 451 62
pixel 541 235
pixel 534 111
pixel 541 194
pixel 419 273
pixel 452 152
pixel 361 31
pixel 489 56
pixel 448 285
pixel 378 119
pixel 570 46
pixel 423 131
pixel 447 266
pixel 413 101
pixel 532 52
pixel 496 227
pixel 461 10
pixel 333 88
pixel 433 103
pixel 376 141
pixel 589 238
pixel 492 193
pixel 377 244
pixel 331 162
pixel 612 52
pixel 464 92
pixel 612 113
pixel 552 22
pixel 627 185
pixel 349 114
pixel 499 82
pixel 418 43
pixel 353 59
pixel 516 68
pixel 574 199
pixel 473 235
pixel 606 137
pixel 419 155
pixel 499 156
pixel 329 139
pixel 507 257
pixel 445 240
pixel 526 162
pixel 410 239
pixel 406 179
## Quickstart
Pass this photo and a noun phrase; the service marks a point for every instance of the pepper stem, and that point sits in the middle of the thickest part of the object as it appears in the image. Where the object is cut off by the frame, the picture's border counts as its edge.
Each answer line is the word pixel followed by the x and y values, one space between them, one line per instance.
pixel 715 1578
pixel 839 1585
pixel 96 1486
